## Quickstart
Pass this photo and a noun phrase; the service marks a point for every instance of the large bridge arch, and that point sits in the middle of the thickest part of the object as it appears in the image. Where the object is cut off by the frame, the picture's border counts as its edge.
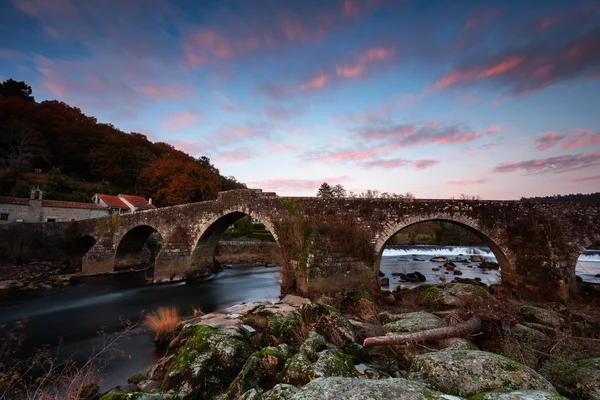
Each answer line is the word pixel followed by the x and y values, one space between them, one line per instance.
pixel 490 238
pixel 210 232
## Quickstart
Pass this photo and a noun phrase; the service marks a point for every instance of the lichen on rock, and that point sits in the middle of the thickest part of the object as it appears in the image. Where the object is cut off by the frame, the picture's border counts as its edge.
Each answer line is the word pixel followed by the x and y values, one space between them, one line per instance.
pixel 334 388
pixel 470 372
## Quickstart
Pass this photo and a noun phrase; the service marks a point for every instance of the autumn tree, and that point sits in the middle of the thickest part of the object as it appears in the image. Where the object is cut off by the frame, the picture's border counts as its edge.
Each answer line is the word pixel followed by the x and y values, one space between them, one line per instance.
pixel 172 181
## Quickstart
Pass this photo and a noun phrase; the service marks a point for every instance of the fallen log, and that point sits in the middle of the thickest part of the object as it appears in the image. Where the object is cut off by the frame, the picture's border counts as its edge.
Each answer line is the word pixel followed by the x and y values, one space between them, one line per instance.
pixel 471 325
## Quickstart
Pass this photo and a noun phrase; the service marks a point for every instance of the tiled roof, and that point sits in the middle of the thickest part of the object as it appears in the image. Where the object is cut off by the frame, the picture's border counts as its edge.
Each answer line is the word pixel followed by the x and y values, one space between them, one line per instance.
pixel 23 201
pixel 70 204
pixel 112 201
pixel 14 200
pixel 137 201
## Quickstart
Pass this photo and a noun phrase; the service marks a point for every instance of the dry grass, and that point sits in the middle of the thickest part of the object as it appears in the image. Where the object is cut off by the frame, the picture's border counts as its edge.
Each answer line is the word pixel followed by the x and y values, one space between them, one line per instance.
pixel 165 323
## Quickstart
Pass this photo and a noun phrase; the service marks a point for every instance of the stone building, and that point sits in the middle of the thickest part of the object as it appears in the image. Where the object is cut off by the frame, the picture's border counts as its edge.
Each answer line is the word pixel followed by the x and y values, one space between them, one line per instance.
pixel 37 209
pixel 123 203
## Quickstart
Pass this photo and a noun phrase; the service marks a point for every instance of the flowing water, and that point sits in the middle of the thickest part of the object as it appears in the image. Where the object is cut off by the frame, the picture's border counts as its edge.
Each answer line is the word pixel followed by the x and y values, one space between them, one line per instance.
pixel 68 320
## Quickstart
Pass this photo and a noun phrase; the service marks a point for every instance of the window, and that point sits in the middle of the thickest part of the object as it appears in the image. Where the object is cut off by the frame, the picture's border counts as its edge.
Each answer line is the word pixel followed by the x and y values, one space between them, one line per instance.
pixel 3 217
pixel 51 220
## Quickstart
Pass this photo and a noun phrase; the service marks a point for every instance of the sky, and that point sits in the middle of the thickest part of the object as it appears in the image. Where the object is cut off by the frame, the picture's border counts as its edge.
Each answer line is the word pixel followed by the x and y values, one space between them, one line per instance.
pixel 499 99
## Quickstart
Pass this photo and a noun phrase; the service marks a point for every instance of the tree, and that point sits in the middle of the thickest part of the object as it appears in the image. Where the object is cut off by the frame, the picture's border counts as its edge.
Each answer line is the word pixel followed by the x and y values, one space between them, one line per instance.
pixel 338 191
pixel 325 190
pixel 12 88
pixel 173 181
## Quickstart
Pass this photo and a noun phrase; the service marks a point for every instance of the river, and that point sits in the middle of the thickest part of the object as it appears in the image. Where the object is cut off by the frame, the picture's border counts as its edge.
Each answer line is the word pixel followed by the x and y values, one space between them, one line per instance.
pixel 74 315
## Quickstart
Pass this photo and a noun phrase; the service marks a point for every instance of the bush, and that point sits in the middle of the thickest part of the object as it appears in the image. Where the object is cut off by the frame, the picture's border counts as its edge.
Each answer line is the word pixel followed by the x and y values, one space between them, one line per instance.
pixel 165 323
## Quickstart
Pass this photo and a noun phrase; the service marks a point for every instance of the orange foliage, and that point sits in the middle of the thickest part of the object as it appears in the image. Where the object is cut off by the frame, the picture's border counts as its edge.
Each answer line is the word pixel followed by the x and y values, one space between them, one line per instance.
pixel 172 181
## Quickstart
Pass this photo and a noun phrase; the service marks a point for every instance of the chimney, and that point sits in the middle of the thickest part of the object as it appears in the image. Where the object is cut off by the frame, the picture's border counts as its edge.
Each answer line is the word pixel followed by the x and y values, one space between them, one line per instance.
pixel 150 200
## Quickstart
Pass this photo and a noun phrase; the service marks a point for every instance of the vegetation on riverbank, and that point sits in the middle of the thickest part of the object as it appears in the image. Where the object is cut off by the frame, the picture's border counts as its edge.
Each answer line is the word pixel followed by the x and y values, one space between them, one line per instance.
pixel 72 156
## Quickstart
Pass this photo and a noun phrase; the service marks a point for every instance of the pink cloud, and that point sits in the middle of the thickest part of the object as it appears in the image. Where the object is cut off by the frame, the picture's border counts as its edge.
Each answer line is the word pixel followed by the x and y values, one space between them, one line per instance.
pixel 581 138
pixel 424 163
pixel 546 140
pixel 553 164
pixel 356 8
pixel 279 91
pixel 419 165
pixel 246 131
pixel 457 76
pixel 205 45
pixel 382 112
pixel 344 155
pixel 315 82
pixel 181 120
pixel 227 157
pixel 466 182
pixel 359 67
pixel 276 113
pixel 295 185
pixel 168 92
pixel 531 67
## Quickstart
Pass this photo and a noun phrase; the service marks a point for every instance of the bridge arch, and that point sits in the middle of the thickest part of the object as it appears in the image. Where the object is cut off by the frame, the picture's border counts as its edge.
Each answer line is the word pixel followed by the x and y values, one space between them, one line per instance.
pixel 202 256
pixel 472 225
pixel 137 248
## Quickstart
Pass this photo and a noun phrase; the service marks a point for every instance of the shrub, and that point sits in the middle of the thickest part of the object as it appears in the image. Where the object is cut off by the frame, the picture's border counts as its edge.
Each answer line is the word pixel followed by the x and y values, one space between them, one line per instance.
pixel 165 323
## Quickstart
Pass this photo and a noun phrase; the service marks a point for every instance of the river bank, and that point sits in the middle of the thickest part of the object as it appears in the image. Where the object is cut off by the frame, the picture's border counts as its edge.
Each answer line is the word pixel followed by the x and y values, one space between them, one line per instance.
pixel 301 349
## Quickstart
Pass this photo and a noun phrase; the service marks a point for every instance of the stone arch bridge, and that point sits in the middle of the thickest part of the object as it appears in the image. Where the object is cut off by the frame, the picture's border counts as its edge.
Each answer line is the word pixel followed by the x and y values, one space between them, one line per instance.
pixel 330 244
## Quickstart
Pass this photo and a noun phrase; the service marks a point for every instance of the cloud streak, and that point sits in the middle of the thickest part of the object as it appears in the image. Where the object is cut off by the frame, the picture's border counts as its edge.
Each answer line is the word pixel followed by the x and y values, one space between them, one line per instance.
pixel 558 164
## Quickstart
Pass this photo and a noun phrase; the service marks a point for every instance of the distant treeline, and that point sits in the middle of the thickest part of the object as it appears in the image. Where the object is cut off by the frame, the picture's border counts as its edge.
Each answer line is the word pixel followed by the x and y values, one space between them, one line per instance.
pixel 576 198
pixel 72 155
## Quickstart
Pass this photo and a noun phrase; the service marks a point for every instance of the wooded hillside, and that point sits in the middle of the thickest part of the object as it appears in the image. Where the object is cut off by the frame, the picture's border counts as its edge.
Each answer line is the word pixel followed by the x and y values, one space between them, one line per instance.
pixel 72 156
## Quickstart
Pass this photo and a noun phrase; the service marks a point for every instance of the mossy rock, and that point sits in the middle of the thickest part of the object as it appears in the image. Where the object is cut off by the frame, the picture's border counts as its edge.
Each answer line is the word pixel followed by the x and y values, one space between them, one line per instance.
pixel 329 322
pixel 542 316
pixel 576 379
pixel 137 378
pixel 446 294
pixel 519 395
pixel 282 391
pixel 334 388
pixel 284 328
pixel 260 370
pixel 136 396
pixel 207 363
pixel 357 351
pixel 316 358
pixel 413 322
pixel 470 372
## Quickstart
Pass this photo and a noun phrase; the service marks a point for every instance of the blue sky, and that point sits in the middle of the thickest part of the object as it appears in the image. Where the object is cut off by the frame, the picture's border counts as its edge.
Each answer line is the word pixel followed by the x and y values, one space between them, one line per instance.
pixel 437 98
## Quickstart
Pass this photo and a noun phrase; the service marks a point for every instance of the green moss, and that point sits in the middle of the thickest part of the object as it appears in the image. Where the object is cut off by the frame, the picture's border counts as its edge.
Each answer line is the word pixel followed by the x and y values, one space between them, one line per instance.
pixel 137 378
pixel 283 325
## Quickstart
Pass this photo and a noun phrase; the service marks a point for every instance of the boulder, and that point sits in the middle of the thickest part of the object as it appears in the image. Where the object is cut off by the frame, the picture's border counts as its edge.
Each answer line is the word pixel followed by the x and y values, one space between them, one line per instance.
pixel 207 363
pixel 260 370
pixel 329 322
pixel 412 322
pixel 385 282
pixel 460 260
pixel 489 265
pixel 448 294
pixel 359 389
pixel 449 266
pixel 457 272
pixel 418 259
pixel 282 391
pixel 542 316
pixel 476 258
pixel 520 395
pixel 412 277
pixel 471 372
pixel 316 358
pixel 439 259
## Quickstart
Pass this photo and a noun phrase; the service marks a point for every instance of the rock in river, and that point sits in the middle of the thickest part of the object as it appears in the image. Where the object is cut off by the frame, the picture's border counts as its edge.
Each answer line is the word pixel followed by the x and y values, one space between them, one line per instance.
pixel 412 277
pixel 439 259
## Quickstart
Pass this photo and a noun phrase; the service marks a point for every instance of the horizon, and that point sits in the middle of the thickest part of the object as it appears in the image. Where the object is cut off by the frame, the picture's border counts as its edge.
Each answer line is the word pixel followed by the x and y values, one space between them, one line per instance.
pixel 492 99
